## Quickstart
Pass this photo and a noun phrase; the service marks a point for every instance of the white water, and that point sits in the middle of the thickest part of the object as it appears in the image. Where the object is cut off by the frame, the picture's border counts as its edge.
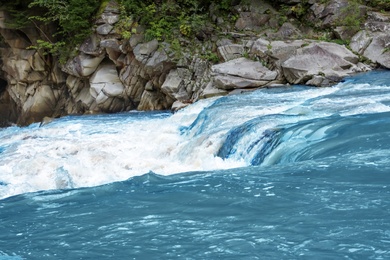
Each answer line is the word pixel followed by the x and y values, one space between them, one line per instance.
pixel 93 150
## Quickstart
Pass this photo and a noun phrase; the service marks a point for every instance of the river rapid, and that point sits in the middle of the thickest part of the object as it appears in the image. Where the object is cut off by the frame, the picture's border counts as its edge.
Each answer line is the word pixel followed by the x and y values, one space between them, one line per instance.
pixel 280 173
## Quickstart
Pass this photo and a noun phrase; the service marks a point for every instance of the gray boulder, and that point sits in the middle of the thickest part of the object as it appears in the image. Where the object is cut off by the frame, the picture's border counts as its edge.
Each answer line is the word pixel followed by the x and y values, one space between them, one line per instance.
pixel 242 73
pixel 106 88
pixel 375 46
pixel 328 60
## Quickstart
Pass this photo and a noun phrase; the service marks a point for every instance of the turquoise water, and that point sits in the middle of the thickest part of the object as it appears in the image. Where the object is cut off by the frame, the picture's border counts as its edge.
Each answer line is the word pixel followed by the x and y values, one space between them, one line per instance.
pixel 286 173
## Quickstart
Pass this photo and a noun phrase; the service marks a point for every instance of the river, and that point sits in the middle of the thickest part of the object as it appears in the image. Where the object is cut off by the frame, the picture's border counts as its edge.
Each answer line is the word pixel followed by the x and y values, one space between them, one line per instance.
pixel 281 173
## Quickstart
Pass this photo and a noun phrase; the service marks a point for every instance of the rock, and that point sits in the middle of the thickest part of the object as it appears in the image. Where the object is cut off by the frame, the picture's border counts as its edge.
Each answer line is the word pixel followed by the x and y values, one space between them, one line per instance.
pixel 377 26
pixel 229 82
pixel 331 61
pixel 276 52
pixel 3 17
pixel 344 33
pixel 287 31
pixel 231 51
pixel 223 41
pixel 12 38
pixel 105 82
pixel 57 76
pixel 378 50
pixel 244 68
pixel 110 44
pixel 174 86
pixel 378 16
pixel 241 73
pixel 153 100
pixel 158 63
pixel 8 110
pixel 373 46
pixel 82 65
pixel 36 62
pixel 46 120
pixel 144 51
pixel 338 50
pixel 91 46
pixel 251 21
pixel 39 105
pixel 104 29
pixel 318 81
pixel 211 91
pixel 328 14
pixel 135 39
pixel 110 18
pixel 177 105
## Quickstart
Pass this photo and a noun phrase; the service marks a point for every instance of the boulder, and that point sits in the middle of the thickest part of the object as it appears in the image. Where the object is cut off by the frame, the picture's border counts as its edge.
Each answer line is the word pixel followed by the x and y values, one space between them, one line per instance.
pixel 276 52
pixel 212 91
pixel 229 82
pixel 374 46
pixel 154 100
pixel 326 15
pixel 105 82
pixel 110 17
pixel 251 21
pixel 104 29
pixel 377 26
pixel 244 68
pixel 286 31
pixel 144 51
pixel 328 60
pixel 41 104
pixel 91 46
pixel 83 65
pixel 378 16
pixel 379 49
pixel 242 73
pixel 157 63
pixel 360 41
pixel 231 51
pixel 174 86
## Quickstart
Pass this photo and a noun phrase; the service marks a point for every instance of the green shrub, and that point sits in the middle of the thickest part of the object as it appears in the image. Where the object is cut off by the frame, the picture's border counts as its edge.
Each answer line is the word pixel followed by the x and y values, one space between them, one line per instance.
pixel 351 16
pixel 380 4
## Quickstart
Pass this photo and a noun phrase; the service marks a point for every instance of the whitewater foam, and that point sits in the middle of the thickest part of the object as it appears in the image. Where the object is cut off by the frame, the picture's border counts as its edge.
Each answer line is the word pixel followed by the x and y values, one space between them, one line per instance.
pixel 84 151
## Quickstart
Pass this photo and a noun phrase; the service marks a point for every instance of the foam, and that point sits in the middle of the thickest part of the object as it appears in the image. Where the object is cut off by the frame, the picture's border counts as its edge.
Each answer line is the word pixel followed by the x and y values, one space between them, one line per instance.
pixel 74 152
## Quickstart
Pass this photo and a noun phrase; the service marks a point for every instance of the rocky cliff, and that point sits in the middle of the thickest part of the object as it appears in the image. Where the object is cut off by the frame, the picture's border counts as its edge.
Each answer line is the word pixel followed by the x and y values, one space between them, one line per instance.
pixel 111 73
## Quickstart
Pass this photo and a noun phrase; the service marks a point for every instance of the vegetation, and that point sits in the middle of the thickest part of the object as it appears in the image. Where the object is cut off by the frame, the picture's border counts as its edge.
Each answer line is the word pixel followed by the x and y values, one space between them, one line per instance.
pixel 351 16
pixel 72 18
pixel 165 20
pixel 380 4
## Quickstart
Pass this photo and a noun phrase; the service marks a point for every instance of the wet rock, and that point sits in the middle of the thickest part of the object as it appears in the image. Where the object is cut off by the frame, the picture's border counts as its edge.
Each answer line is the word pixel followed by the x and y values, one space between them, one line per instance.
pixel 41 104
pixel 212 91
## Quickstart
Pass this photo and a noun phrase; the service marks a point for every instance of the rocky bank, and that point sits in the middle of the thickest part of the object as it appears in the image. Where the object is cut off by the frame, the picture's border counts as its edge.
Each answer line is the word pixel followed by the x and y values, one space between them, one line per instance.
pixel 112 74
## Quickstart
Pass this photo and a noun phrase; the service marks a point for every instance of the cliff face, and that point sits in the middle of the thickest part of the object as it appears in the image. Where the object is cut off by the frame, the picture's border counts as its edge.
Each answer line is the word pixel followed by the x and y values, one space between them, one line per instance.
pixel 112 74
